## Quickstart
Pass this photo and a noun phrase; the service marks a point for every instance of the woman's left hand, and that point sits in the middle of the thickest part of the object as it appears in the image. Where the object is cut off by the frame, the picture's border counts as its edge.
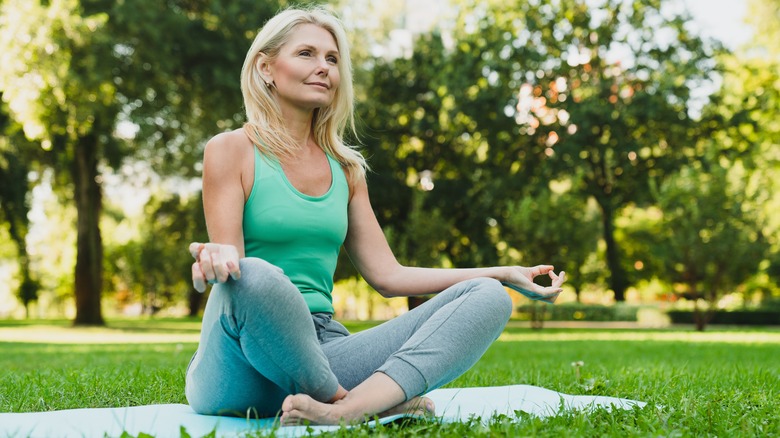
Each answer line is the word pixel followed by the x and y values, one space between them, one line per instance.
pixel 214 263
pixel 521 278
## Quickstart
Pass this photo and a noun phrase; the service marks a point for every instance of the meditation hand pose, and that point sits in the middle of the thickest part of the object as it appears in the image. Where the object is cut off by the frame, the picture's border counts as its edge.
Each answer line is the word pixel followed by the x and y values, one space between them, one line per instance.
pixel 281 196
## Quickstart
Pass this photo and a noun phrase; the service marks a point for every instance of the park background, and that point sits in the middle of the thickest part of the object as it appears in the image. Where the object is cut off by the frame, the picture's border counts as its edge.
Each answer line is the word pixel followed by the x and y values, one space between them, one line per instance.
pixel 626 143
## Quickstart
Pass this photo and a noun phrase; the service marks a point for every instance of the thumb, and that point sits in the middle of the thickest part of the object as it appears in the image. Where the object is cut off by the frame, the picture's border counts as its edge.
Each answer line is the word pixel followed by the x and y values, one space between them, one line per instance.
pixel 195 248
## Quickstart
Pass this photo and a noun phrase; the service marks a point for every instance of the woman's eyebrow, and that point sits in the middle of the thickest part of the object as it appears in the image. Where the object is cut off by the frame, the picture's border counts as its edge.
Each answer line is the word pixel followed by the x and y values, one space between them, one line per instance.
pixel 308 46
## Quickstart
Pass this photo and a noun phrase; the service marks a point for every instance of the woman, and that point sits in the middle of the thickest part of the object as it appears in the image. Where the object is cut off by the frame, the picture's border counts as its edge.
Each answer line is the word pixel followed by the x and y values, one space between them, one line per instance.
pixel 281 196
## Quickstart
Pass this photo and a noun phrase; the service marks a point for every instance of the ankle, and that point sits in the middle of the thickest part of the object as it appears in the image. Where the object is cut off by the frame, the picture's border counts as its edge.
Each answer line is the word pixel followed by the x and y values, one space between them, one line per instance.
pixel 347 410
pixel 340 394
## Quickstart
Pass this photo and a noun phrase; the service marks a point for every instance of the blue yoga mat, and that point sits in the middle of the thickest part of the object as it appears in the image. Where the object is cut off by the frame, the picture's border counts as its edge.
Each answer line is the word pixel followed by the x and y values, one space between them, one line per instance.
pixel 168 420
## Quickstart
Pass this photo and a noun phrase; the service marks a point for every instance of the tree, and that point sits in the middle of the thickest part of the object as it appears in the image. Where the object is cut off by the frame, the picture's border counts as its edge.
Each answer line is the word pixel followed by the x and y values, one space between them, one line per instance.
pixel 557 228
pixel 618 124
pixel 764 16
pixel 531 92
pixel 51 78
pixel 74 72
pixel 14 200
pixel 426 235
pixel 397 108
pixel 711 237
pixel 152 269
pixel 742 116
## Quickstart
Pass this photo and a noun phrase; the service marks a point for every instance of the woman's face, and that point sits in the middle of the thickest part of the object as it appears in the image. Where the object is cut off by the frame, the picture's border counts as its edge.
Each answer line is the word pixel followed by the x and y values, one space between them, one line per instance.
pixel 306 70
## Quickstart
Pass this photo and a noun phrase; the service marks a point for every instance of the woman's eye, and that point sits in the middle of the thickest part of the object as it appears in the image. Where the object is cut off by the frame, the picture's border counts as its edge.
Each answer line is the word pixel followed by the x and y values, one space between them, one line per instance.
pixel 333 60
pixel 304 53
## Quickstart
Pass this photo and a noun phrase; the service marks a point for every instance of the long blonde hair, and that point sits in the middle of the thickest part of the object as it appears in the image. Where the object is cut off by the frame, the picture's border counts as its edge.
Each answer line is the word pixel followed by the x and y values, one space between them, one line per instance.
pixel 265 124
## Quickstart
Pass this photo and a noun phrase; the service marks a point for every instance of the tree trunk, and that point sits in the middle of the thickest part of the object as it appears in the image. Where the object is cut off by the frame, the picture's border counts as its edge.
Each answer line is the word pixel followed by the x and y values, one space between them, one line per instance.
pixel 28 290
pixel 89 246
pixel 537 315
pixel 576 280
pixel 617 277
pixel 698 317
pixel 415 301
pixel 16 210
pixel 194 300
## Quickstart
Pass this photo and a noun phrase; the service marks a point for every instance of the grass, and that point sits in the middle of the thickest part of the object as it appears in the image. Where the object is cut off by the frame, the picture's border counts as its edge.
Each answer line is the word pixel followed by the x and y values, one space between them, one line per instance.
pixel 724 382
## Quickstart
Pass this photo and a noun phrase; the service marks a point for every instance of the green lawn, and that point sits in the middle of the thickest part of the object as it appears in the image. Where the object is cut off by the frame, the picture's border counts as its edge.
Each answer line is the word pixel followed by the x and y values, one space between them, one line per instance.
pixel 718 383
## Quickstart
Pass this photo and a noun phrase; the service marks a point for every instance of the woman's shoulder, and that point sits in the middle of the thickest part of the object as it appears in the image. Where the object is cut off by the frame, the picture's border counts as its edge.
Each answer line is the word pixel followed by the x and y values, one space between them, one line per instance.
pixel 229 145
pixel 228 154
pixel 233 140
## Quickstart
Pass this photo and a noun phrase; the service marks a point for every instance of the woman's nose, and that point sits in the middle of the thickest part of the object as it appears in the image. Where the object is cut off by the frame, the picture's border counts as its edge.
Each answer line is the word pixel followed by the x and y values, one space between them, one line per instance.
pixel 323 67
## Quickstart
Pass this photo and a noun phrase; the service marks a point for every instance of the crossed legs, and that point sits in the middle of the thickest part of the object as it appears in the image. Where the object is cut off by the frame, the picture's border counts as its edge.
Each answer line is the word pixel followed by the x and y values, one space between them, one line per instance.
pixel 259 351
pixel 389 366
pixel 257 345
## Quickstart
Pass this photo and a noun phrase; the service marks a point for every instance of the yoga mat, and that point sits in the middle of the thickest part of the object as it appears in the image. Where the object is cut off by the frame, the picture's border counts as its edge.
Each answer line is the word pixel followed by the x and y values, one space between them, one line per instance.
pixel 167 420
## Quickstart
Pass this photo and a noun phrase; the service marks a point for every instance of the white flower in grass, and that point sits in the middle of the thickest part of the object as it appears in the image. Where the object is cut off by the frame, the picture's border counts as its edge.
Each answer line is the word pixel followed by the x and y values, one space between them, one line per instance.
pixel 577 365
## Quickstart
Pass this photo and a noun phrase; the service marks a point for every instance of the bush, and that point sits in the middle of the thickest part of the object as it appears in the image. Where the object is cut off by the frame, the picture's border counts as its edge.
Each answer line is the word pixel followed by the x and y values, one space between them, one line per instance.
pixel 579 312
pixel 732 317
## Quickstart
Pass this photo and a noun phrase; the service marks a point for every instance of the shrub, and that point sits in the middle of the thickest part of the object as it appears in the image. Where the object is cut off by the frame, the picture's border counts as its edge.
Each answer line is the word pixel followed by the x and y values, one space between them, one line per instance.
pixel 579 312
pixel 732 317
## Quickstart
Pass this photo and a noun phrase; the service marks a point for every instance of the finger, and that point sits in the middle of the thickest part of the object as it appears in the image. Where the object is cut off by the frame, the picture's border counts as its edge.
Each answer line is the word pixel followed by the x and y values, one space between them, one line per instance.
pixel 551 290
pixel 198 281
pixel 232 263
pixel 562 277
pixel 541 269
pixel 234 270
pixel 543 290
pixel 212 247
pixel 553 277
pixel 206 265
pixel 217 262
pixel 220 269
pixel 195 248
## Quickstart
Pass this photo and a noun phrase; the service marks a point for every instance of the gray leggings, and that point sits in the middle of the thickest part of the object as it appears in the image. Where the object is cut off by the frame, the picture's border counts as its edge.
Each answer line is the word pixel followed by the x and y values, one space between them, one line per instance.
pixel 259 343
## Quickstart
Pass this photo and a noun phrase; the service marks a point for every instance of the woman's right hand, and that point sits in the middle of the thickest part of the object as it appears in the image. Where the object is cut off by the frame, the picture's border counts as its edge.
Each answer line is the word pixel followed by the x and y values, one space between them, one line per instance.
pixel 521 279
pixel 214 263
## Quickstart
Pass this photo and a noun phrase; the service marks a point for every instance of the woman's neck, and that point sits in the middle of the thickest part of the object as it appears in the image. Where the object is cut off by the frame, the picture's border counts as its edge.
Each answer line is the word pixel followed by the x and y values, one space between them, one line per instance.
pixel 298 124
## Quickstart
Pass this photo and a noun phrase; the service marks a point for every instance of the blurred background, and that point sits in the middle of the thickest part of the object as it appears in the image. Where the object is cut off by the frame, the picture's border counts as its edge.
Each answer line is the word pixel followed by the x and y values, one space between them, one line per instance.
pixel 633 144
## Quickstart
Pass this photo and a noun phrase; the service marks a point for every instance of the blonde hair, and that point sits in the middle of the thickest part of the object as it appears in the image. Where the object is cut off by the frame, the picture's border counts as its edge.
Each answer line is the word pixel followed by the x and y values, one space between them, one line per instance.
pixel 265 124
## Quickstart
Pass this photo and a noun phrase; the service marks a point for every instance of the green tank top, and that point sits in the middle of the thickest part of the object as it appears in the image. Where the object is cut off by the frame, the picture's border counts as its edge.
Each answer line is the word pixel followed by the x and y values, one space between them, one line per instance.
pixel 299 233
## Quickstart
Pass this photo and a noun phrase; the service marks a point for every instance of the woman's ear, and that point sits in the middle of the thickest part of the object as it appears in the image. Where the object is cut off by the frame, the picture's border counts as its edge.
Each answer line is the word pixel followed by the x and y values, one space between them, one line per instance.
pixel 263 66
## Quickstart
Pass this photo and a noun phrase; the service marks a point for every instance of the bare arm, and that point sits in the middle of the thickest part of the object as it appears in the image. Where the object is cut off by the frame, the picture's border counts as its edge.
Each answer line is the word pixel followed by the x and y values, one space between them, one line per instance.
pixel 224 186
pixel 370 253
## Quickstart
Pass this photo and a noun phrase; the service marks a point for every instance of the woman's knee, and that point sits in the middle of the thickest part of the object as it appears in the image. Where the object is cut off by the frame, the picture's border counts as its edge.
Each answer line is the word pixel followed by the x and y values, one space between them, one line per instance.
pixel 256 271
pixel 254 266
pixel 494 293
pixel 259 278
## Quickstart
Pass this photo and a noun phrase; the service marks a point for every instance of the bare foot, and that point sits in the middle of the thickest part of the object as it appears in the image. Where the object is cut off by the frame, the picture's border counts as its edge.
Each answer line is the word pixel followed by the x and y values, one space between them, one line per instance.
pixel 300 408
pixel 422 406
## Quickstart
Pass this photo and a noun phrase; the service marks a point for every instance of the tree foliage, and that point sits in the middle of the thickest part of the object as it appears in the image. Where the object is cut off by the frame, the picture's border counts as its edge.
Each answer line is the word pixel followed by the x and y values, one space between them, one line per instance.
pixel 743 117
pixel 557 228
pixel 15 167
pixel 710 238
pixel 59 89
pixel 76 74
pixel 531 92
pixel 489 112
pixel 153 270
pixel 764 16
